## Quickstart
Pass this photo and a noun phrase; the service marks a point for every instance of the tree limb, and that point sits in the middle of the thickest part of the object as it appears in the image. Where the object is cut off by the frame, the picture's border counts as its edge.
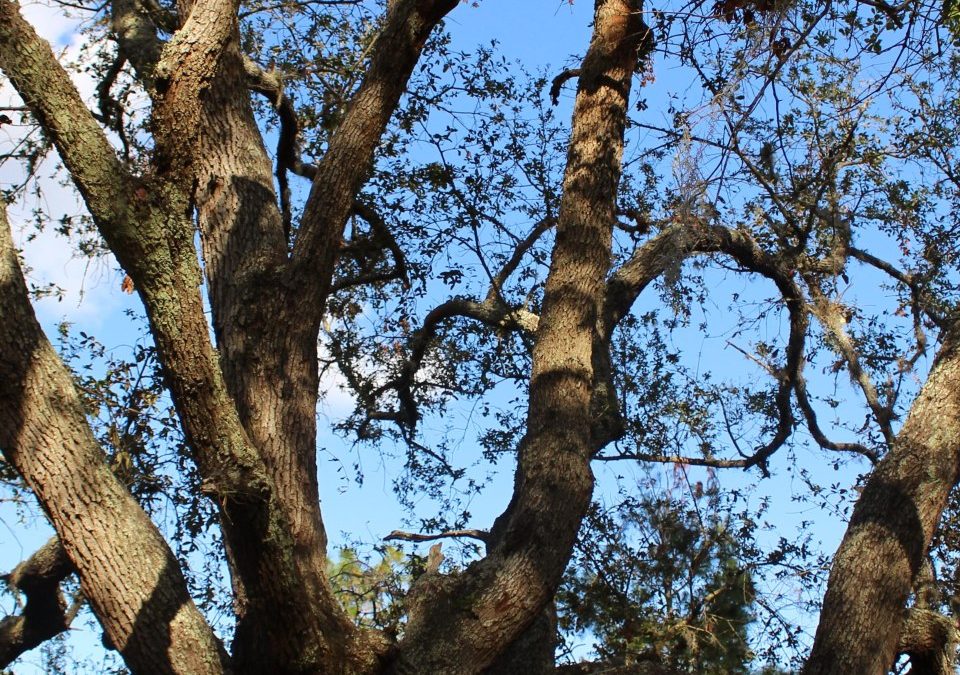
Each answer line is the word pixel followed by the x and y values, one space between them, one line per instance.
pixel 479 535
pixel 349 156
pixel 531 541
pixel 270 85
pixel 491 313
pixel 45 613
pixel 140 598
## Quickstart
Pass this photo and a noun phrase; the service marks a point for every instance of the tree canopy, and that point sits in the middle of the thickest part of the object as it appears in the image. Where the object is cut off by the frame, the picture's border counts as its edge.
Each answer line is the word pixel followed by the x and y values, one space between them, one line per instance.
pixel 710 255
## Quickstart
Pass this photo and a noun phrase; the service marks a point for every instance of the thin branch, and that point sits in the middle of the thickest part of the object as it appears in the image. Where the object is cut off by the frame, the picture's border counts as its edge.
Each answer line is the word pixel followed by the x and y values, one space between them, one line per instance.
pixel 909 280
pixel 383 235
pixel 690 236
pixel 490 313
pixel 298 4
pixel 810 416
pixel 714 462
pixel 479 535
pixel 830 316
pixel 500 278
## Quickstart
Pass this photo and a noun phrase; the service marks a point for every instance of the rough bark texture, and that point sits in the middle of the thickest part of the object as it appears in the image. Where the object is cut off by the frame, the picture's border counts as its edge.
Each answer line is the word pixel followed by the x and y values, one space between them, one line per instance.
pixel 470 617
pixel 890 530
pixel 127 572
pixel 930 640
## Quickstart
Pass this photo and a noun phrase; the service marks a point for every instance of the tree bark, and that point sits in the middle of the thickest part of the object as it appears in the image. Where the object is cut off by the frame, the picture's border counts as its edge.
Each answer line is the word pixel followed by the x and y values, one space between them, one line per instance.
pixel 471 618
pixel 127 571
pixel 890 530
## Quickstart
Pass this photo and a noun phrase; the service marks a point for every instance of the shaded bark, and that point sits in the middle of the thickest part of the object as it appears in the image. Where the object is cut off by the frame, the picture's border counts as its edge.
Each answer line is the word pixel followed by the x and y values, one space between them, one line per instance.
pixel 890 530
pixel 44 614
pixel 930 640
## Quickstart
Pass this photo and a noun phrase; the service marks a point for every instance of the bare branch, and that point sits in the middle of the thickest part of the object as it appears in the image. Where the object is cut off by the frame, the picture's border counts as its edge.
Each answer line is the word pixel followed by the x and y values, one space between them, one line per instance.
pixel 830 315
pixel 521 249
pixel 480 535
pixel 490 313
pixel 671 247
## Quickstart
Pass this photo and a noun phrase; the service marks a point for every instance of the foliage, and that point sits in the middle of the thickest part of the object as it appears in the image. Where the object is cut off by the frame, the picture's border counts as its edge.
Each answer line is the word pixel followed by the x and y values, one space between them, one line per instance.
pixel 679 596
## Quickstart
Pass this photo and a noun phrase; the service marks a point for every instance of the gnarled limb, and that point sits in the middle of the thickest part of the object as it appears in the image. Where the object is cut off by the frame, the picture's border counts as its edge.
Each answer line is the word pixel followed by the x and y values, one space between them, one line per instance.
pixel 671 247
pixel 45 614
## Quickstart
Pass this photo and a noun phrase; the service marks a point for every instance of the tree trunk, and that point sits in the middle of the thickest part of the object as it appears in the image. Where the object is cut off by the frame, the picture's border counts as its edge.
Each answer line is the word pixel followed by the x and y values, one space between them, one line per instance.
pixel 127 571
pixel 890 530
pixel 472 617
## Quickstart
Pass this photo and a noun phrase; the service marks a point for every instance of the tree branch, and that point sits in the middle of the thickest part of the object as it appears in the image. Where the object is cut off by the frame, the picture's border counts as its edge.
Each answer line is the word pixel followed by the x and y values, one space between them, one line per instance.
pixel 559 81
pixel 489 312
pixel 44 615
pixel 532 540
pixel 48 91
pixel 187 65
pixel 137 38
pixel 126 569
pixel 670 248
pixel 349 156
pixel 810 416
pixel 480 535
pixel 270 85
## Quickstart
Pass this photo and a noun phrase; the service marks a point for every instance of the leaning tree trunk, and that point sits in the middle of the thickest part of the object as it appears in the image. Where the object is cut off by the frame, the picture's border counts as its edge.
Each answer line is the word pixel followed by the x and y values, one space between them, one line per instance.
pixel 127 571
pixel 463 623
pixel 890 530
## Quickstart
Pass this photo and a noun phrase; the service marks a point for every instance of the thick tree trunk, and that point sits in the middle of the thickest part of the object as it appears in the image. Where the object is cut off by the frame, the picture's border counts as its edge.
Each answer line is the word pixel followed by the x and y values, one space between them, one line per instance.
pixel 127 572
pixel 890 530
pixel 465 622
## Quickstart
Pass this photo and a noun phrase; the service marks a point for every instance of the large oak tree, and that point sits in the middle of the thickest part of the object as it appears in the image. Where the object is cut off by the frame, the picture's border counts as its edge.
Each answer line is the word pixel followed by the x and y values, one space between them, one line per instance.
pixel 246 396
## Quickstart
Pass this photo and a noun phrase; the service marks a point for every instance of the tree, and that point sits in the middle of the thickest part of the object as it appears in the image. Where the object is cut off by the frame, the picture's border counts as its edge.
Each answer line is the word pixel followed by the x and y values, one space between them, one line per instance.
pixel 805 180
